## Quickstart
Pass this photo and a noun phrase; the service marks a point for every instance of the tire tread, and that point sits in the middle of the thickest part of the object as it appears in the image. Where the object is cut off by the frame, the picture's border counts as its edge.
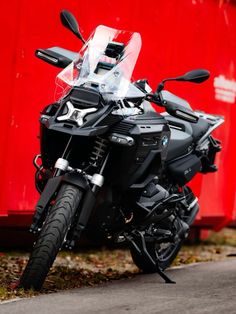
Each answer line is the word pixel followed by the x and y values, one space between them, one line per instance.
pixel 51 237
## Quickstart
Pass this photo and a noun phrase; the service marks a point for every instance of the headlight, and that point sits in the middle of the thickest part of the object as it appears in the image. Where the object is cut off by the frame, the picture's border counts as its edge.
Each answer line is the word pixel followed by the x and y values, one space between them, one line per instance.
pixel 74 114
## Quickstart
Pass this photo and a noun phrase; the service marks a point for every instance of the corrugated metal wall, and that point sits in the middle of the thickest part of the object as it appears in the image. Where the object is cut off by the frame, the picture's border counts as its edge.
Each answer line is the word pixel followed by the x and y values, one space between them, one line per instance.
pixel 177 36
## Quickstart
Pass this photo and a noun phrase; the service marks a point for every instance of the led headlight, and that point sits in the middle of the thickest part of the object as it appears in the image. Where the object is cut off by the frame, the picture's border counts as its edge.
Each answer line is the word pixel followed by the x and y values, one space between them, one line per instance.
pixel 74 114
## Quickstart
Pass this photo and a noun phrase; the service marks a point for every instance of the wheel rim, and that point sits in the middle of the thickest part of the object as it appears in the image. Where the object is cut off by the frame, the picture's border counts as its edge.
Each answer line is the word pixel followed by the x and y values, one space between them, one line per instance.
pixel 164 251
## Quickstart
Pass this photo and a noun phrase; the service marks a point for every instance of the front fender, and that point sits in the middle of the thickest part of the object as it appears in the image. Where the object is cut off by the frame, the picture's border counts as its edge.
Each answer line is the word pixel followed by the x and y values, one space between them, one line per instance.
pixel 54 184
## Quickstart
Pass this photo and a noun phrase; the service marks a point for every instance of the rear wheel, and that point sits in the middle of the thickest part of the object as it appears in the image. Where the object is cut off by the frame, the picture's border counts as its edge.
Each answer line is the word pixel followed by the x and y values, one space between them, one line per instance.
pixel 51 238
pixel 164 254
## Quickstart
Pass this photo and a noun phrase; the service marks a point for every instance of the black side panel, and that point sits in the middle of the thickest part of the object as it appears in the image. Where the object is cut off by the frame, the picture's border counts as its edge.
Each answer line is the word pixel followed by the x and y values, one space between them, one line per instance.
pixel 183 170
pixel 129 165
pixel 180 144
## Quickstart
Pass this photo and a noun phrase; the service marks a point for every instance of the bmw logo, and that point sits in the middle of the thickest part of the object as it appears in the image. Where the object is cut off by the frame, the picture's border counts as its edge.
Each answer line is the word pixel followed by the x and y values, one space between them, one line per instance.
pixel 164 140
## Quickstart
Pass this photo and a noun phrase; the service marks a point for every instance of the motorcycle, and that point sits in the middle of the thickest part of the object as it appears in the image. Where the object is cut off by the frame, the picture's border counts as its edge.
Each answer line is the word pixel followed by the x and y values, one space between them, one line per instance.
pixel 111 167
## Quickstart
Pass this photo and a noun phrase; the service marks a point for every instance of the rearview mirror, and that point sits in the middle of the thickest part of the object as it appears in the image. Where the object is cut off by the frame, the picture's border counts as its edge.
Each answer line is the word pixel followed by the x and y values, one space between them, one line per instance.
pixel 194 76
pixel 69 21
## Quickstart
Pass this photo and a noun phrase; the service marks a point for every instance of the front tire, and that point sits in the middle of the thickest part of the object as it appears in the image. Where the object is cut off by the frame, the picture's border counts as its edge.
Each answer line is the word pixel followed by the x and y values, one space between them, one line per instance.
pixel 51 238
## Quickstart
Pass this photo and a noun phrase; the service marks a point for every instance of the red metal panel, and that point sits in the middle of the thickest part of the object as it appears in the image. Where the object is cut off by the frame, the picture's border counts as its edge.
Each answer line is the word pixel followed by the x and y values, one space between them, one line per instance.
pixel 8 40
pixel 177 36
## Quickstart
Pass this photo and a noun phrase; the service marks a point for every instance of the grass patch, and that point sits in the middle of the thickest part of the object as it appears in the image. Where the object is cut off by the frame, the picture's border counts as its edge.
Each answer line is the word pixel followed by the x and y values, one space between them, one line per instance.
pixel 70 270
pixel 226 236
pixel 93 267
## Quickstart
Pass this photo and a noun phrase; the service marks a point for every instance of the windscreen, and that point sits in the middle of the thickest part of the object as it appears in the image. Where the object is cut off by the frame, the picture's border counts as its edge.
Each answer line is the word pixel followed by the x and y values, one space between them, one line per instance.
pixel 106 62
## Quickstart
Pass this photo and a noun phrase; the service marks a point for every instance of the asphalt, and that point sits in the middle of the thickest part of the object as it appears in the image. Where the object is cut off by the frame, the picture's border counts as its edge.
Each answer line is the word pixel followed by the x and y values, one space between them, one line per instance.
pixel 200 288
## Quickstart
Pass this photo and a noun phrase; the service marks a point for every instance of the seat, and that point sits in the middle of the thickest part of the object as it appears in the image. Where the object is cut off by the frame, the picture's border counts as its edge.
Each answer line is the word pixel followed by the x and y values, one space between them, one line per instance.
pixel 199 128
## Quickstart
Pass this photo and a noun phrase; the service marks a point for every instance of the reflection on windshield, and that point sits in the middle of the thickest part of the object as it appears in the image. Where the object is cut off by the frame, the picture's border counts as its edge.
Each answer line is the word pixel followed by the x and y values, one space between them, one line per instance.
pixel 107 62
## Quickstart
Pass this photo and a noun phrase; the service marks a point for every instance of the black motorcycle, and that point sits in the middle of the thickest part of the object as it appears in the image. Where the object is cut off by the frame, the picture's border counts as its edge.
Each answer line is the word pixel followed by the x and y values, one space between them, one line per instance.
pixel 111 167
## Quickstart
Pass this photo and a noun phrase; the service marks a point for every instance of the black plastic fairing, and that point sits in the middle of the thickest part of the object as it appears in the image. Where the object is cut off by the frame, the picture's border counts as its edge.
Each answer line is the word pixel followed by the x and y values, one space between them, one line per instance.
pixel 95 124
pixel 183 135
pixel 180 144
pixel 133 163
pixel 68 128
pixel 184 169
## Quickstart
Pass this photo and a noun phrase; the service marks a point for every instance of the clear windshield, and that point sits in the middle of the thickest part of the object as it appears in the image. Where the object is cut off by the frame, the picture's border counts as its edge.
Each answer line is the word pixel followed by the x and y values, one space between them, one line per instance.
pixel 107 62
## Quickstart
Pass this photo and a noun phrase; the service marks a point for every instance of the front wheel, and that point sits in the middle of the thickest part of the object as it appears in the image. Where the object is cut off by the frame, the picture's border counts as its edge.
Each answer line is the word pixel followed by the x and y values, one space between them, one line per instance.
pixel 51 238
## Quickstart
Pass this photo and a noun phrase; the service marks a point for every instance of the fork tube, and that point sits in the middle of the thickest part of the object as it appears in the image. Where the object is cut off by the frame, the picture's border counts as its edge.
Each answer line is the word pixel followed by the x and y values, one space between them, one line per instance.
pixel 104 164
pixel 67 150
pixel 65 155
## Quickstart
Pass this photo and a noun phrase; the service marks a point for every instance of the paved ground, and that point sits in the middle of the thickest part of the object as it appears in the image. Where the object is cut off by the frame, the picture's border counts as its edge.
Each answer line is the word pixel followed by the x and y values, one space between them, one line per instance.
pixel 201 288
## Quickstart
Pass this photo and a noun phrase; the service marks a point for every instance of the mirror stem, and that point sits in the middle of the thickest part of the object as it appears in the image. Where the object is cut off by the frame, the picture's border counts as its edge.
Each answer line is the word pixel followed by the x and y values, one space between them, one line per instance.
pixel 160 87
pixel 82 39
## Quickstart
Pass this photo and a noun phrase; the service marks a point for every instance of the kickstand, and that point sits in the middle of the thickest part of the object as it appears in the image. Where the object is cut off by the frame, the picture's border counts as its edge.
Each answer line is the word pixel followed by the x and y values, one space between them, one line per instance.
pixel 164 276
pixel 158 269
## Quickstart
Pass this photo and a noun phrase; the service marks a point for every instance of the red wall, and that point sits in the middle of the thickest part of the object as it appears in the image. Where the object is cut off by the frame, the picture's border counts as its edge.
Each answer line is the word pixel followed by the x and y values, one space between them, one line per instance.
pixel 177 36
